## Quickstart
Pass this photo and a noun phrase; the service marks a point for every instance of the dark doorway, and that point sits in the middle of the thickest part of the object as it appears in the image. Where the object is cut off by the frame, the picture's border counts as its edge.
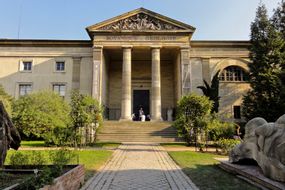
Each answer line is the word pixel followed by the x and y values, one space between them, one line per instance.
pixel 140 100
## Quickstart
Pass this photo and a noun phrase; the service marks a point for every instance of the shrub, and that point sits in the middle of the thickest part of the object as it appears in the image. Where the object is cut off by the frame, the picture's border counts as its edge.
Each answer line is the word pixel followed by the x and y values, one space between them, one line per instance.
pixel 18 158
pixel 85 111
pixel 37 158
pixel 218 129
pixel 193 111
pixel 227 144
pixel 62 157
pixel 41 114
pixel 6 99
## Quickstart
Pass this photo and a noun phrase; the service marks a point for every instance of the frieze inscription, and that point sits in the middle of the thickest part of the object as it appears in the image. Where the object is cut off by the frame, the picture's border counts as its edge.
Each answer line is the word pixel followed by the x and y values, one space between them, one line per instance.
pixel 141 38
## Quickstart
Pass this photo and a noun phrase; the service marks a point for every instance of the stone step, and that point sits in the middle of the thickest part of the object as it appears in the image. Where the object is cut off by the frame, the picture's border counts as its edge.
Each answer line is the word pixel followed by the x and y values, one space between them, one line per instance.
pixel 141 132
pixel 139 140
pixel 137 132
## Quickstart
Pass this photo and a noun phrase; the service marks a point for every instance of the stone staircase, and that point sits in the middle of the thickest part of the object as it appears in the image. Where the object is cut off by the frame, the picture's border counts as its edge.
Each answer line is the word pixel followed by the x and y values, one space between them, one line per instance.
pixel 115 131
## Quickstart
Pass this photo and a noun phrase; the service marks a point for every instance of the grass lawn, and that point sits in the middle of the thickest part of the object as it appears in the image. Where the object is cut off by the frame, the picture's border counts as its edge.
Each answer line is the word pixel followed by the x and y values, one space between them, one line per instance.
pixel 92 159
pixel 203 170
pixel 33 144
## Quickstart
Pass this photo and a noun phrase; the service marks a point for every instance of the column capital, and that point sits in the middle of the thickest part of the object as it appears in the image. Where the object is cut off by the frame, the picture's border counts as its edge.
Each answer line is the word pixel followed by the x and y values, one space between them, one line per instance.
pixel 185 48
pixel 205 57
pixel 127 46
pixel 97 47
pixel 155 47
pixel 77 58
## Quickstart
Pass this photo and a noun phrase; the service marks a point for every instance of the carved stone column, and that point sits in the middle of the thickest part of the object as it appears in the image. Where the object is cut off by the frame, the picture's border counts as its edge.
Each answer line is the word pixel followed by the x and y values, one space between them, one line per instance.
pixel 126 104
pixel 156 85
pixel 97 72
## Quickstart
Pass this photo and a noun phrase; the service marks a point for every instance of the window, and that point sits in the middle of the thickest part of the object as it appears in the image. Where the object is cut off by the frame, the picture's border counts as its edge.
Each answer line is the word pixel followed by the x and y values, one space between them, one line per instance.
pixel 60 89
pixel 26 66
pixel 60 66
pixel 237 112
pixel 233 73
pixel 25 89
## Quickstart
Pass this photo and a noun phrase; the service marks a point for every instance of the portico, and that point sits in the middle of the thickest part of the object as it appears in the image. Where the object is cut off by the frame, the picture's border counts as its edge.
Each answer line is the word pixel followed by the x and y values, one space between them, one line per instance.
pixel 139 50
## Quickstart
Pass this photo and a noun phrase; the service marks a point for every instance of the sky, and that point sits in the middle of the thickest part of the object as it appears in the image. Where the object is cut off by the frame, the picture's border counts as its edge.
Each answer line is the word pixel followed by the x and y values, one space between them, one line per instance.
pixel 67 19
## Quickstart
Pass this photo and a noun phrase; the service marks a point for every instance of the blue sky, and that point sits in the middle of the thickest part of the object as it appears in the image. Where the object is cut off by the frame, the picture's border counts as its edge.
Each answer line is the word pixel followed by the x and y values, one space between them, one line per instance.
pixel 67 19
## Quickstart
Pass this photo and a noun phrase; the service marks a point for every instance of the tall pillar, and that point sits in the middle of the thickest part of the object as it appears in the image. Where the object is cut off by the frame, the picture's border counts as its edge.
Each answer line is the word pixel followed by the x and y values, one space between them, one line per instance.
pixel 97 72
pixel 126 104
pixel 156 85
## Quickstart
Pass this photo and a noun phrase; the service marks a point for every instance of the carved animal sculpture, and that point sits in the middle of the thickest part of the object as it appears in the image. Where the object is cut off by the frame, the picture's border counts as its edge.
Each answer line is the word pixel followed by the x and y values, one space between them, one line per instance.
pixel 265 143
pixel 9 136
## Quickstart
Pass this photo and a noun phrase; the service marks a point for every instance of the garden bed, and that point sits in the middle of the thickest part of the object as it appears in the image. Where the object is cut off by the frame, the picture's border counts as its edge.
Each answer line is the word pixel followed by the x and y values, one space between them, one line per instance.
pixel 71 178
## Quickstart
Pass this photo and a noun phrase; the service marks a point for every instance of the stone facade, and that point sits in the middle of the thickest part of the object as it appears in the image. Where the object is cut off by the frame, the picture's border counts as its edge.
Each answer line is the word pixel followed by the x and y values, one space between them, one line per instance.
pixel 139 50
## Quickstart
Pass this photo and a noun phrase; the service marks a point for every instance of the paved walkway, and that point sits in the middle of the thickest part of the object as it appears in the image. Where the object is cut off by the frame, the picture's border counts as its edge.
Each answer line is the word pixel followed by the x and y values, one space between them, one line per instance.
pixel 140 166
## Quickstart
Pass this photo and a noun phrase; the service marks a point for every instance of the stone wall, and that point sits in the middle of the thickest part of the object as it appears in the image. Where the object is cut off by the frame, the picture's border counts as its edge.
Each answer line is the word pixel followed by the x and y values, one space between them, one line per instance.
pixel 43 74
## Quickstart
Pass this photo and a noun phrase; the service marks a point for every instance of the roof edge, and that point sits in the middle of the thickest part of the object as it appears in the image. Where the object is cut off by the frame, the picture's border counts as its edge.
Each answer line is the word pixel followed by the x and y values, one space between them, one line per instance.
pixel 220 43
pixel 136 11
pixel 45 43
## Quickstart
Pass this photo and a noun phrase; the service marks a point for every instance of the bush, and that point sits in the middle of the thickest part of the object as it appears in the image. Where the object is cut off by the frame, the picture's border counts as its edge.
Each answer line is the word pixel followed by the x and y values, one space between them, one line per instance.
pixel 62 157
pixel 6 99
pixel 227 144
pixel 84 111
pixel 41 114
pixel 193 111
pixel 18 159
pixel 37 158
pixel 218 129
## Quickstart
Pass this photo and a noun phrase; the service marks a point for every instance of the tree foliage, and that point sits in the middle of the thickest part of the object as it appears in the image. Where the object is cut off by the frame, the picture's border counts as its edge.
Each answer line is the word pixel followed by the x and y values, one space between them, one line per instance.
pixel 212 91
pixel 84 111
pixel 267 56
pixel 42 114
pixel 6 99
pixel 193 111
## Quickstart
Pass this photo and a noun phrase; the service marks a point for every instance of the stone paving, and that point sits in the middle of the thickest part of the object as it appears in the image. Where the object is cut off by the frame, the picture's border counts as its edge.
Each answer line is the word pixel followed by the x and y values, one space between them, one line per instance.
pixel 140 166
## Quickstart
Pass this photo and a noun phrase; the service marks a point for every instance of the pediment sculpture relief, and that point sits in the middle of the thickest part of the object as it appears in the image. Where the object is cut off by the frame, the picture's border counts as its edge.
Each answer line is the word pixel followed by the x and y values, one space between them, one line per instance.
pixel 140 22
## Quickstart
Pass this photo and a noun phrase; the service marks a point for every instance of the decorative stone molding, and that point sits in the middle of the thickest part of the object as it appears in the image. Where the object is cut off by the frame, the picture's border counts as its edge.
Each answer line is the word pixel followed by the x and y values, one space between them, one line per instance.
pixel 140 21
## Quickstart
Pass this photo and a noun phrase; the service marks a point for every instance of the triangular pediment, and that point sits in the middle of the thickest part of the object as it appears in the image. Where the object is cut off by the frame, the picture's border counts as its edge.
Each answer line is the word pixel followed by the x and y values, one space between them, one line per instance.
pixel 141 20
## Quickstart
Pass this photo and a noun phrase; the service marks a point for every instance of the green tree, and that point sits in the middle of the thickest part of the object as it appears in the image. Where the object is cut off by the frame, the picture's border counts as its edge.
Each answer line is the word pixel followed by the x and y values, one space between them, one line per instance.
pixel 84 111
pixel 278 18
pixel 193 111
pixel 42 114
pixel 212 91
pixel 6 99
pixel 264 100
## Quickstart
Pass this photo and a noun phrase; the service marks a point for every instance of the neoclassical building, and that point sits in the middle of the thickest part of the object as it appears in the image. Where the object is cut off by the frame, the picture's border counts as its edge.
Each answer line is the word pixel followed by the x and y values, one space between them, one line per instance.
pixel 137 59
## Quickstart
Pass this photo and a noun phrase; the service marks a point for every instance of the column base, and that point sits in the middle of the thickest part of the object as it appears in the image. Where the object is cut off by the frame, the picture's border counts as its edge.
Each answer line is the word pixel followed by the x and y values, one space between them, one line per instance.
pixel 125 119
pixel 156 120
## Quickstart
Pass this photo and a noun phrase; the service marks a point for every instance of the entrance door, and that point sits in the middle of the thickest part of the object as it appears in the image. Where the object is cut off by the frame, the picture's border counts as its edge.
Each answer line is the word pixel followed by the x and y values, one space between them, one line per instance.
pixel 141 100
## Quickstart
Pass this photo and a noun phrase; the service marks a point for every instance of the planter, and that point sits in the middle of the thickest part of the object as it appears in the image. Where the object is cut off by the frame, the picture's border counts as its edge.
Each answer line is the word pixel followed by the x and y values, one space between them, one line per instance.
pixel 73 179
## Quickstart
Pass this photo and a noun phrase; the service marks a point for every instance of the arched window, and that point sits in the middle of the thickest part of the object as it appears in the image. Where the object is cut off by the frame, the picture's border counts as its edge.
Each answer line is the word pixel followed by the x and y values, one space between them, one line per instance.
pixel 233 73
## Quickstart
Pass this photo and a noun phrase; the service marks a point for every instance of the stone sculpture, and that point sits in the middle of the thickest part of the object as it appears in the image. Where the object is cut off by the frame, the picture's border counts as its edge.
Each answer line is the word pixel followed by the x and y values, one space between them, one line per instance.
pixel 265 143
pixel 140 22
pixel 9 136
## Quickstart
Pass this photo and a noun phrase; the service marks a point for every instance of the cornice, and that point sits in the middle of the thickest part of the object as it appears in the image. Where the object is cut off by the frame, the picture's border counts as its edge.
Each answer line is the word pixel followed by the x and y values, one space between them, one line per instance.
pixel 44 43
